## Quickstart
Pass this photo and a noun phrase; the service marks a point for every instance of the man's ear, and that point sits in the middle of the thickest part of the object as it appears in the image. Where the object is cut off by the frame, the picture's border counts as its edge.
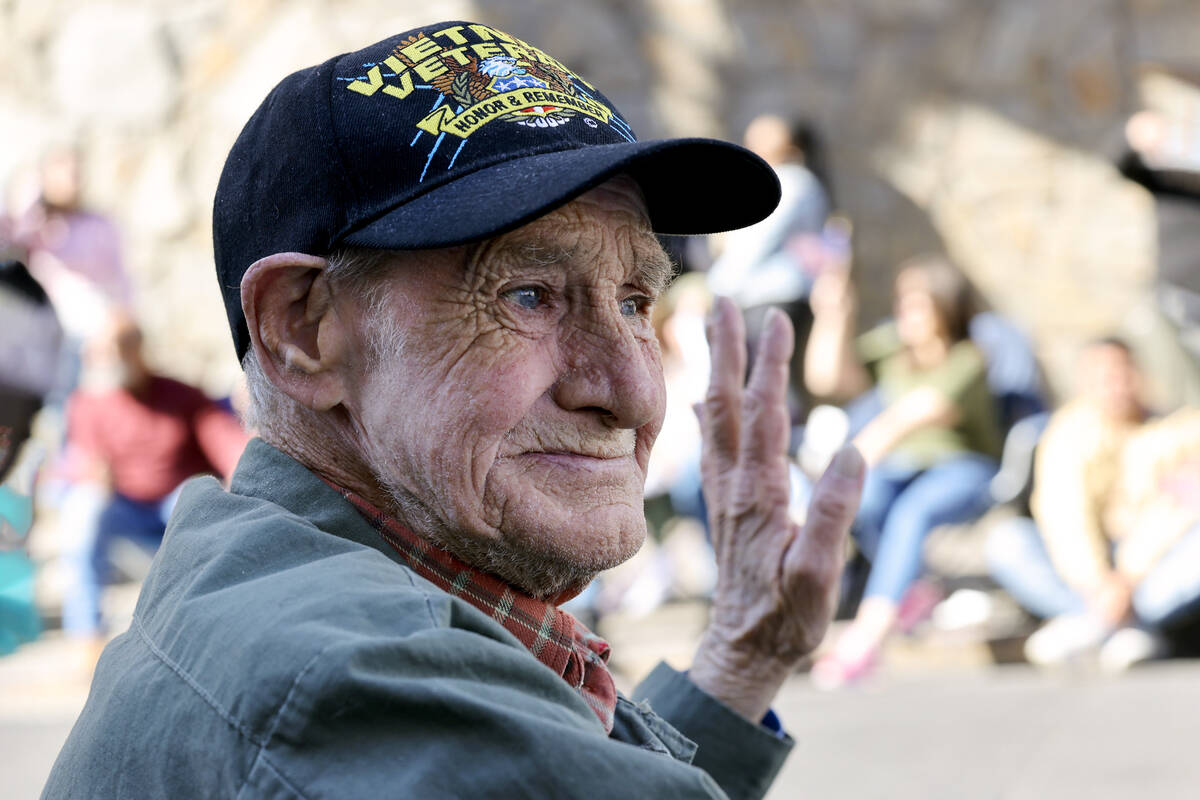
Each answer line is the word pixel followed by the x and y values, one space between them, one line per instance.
pixel 295 331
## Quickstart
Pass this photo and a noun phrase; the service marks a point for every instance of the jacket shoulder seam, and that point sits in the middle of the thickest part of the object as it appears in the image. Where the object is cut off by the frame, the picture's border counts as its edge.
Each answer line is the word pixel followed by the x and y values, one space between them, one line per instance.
pixel 261 755
pixel 204 695
pixel 287 698
pixel 267 763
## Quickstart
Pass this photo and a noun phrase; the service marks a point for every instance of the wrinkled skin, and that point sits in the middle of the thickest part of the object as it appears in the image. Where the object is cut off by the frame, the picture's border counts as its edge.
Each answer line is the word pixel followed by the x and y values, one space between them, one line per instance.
pixel 777 579
pixel 501 400
pixel 515 424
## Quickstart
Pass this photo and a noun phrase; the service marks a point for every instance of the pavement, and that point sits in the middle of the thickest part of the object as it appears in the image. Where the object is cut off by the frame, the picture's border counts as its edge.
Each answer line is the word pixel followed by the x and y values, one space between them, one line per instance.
pixel 1002 733
pixel 945 724
pixel 42 688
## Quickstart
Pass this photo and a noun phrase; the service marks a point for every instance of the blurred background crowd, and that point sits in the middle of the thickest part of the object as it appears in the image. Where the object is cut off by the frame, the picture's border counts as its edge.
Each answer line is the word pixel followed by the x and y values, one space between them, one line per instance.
pixel 987 244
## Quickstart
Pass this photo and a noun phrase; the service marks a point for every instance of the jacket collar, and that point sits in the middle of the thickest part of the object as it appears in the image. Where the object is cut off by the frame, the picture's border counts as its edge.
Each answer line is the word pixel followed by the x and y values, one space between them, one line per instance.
pixel 268 473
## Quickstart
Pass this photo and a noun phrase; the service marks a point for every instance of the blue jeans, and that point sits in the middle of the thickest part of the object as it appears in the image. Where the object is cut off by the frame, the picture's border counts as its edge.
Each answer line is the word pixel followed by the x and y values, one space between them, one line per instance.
pixel 902 504
pixel 102 521
pixel 1019 562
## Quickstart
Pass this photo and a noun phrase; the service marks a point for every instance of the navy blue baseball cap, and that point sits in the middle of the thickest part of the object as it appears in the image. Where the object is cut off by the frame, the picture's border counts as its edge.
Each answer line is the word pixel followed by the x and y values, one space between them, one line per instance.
pixel 444 135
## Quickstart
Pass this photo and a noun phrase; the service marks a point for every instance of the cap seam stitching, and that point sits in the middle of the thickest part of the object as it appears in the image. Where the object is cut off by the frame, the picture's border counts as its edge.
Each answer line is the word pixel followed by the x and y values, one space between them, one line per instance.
pixel 344 172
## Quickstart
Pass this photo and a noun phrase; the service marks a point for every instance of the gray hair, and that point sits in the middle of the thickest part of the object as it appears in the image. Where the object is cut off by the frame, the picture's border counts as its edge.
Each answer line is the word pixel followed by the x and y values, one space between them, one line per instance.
pixel 358 271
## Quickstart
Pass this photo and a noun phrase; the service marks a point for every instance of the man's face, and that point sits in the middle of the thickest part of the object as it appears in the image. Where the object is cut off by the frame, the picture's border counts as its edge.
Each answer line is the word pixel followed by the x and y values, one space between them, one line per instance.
pixel 511 411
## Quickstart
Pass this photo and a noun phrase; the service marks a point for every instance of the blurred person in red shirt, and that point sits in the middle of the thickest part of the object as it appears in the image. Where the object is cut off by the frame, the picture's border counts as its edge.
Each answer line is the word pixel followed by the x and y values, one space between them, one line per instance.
pixel 133 438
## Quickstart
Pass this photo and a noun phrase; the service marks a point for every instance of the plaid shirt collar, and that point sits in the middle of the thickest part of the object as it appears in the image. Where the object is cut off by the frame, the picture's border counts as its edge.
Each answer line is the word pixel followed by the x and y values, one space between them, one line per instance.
pixel 553 636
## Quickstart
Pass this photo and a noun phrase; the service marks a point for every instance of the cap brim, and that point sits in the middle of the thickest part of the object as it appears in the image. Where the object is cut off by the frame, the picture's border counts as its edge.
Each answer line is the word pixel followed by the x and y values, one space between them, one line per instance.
pixel 691 186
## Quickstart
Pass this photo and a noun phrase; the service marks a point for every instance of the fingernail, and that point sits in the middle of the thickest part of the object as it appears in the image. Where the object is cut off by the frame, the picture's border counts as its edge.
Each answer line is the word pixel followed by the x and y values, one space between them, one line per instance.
pixel 776 318
pixel 848 463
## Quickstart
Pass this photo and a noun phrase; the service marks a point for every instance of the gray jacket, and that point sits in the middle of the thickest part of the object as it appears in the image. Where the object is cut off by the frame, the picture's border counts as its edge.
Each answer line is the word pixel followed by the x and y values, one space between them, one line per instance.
pixel 280 648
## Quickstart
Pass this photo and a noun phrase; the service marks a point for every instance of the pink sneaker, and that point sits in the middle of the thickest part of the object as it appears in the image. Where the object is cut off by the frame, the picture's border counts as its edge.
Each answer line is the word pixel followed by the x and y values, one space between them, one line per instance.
pixel 917 605
pixel 832 671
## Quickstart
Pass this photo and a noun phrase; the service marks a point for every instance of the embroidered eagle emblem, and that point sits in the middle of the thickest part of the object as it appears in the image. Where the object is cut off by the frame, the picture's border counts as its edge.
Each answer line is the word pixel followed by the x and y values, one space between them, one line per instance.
pixel 471 80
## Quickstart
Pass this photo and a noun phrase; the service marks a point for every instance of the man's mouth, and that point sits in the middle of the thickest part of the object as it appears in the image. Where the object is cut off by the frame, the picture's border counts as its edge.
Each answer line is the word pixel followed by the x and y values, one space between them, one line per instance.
pixel 609 448
pixel 605 454
pixel 588 462
pixel 607 458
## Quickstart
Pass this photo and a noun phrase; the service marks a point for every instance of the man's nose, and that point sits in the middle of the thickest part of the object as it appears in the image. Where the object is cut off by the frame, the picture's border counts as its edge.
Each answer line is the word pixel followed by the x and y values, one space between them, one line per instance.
pixel 611 369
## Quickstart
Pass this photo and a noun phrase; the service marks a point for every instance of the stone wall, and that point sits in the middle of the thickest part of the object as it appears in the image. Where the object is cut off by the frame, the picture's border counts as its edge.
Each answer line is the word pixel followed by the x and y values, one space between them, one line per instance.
pixel 983 127
pixel 987 129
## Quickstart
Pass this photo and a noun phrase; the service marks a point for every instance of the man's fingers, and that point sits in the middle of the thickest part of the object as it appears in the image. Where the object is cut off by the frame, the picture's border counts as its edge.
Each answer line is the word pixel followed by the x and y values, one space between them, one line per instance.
pixel 765 428
pixel 832 509
pixel 723 403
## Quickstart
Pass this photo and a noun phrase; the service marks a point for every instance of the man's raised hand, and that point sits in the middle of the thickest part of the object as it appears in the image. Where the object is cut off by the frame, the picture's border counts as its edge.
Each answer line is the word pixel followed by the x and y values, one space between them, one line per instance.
pixel 777 580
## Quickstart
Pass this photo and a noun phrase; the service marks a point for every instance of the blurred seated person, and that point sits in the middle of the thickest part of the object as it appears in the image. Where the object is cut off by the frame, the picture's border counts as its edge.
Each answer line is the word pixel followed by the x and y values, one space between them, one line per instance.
pixel 932 449
pixel 1113 550
pixel 132 437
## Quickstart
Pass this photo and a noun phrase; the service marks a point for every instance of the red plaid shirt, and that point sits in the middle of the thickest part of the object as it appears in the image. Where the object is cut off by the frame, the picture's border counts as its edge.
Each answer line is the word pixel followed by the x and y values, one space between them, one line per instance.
pixel 553 636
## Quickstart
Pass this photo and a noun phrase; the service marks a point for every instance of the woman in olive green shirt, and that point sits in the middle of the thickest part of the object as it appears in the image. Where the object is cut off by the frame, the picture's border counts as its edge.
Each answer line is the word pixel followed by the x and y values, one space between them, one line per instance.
pixel 932 449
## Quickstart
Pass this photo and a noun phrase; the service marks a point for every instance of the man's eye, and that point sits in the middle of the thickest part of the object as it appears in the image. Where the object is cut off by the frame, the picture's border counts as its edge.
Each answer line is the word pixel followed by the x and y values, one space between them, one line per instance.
pixel 530 297
pixel 635 305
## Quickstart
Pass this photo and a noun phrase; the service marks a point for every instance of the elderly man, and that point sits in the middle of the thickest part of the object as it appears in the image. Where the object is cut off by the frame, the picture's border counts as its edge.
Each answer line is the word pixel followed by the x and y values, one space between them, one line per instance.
pixel 438 262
